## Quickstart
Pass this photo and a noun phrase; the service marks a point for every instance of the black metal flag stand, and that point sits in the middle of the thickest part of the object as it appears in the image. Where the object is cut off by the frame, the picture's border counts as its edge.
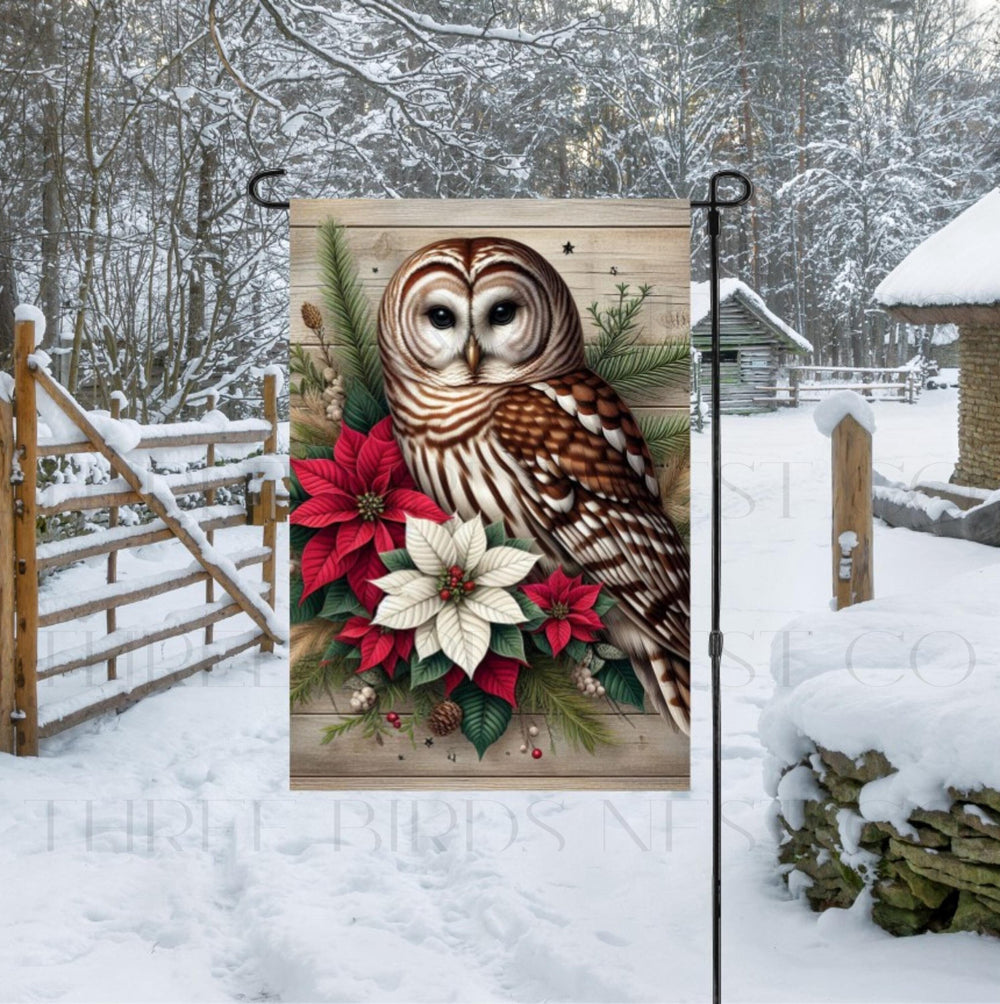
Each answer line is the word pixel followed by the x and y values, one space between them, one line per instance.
pixel 715 204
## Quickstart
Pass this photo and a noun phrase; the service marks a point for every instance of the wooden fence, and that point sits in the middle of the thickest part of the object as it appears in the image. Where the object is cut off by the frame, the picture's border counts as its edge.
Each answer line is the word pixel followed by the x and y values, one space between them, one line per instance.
pixel 23 558
pixel 810 383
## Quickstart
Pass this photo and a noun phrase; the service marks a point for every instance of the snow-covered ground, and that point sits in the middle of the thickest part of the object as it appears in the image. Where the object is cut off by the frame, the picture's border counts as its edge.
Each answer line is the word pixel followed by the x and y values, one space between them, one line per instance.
pixel 159 856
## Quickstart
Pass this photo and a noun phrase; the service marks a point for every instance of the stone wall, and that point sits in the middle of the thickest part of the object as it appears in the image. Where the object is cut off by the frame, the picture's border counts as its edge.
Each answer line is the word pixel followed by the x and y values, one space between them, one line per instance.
pixel 940 872
pixel 979 407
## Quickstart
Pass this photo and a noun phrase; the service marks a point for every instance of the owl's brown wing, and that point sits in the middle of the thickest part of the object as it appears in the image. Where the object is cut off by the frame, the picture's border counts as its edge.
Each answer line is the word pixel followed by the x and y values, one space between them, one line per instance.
pixel 597 490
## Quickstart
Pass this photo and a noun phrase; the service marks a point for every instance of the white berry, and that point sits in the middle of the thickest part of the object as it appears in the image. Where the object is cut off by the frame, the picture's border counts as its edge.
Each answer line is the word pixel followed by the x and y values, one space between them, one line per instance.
pixel 533 730
pixel 524 749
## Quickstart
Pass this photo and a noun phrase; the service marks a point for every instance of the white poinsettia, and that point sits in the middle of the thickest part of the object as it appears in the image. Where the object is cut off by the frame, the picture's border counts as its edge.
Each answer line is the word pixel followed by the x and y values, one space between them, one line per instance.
pixel 456 591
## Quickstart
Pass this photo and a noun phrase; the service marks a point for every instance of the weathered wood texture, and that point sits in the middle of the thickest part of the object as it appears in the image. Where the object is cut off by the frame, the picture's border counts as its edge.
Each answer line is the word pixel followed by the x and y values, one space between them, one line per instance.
pixel 752 354
pixel 852 510
pixel 613 241
pixel 631 241
pixel 26 577
pixel 647 753
pixel 269 571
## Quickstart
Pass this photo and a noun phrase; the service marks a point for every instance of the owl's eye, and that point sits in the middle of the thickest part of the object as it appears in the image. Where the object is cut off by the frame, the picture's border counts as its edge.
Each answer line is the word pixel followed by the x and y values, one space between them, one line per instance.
pixel 503 312
pixel 441 317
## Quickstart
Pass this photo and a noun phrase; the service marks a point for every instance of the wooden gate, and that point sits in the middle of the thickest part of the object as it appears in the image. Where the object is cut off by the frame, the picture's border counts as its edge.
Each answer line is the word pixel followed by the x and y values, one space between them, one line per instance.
pixel 22 558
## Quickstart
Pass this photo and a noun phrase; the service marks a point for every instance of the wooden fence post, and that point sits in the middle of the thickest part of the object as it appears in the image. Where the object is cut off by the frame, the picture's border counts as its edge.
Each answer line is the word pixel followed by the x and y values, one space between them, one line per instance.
pixel 7 578
pixel 268 499
pixel 852 512
pixel 26 576
pixel 212 402
pixel 794 377
pixel 112 613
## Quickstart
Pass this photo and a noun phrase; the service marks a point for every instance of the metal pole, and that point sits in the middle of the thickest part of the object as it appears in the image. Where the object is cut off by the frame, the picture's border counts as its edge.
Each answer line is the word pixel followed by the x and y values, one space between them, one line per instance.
pixel 714 205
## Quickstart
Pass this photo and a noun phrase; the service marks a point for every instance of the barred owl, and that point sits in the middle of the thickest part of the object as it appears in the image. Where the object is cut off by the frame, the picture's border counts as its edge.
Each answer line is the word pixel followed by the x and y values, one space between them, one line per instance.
pixel 496 413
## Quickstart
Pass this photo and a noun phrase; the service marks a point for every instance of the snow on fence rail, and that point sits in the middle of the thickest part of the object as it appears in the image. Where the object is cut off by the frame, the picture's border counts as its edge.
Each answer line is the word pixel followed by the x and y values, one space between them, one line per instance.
pixel 813 383
pixel 130 451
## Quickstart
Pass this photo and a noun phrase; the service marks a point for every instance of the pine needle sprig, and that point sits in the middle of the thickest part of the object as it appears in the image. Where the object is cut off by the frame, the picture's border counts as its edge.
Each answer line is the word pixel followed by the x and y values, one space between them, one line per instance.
pixel 313 674
pixel 543 689
pixel 629 367
pixel 665 435
pixel 300 364
pixel 348 309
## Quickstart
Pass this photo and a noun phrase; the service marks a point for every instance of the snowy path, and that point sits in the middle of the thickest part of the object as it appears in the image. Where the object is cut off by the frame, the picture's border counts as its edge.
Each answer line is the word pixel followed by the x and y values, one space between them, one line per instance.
pixel 159 856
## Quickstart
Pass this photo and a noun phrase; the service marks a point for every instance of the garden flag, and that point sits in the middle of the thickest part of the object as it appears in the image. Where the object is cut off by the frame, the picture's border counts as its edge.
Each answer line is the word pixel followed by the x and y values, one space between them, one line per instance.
pixel 490 424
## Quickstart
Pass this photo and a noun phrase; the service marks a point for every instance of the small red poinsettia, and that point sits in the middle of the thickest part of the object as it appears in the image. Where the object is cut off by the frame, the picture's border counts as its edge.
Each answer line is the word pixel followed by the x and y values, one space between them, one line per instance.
pixel 360 501
pixel 379 646
pixel 569 606
pixel 496 674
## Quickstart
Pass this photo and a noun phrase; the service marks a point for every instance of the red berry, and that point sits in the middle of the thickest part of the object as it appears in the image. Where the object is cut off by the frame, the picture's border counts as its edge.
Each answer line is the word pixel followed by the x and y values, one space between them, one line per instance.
pixel 397 724
pixel 469 586
pixel 536 754
pixel 445 594
pixel 455 571
pixel 392 717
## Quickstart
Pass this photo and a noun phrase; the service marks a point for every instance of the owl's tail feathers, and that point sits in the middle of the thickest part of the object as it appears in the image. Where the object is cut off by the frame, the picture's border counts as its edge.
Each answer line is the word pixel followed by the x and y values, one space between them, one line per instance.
pixel 666 678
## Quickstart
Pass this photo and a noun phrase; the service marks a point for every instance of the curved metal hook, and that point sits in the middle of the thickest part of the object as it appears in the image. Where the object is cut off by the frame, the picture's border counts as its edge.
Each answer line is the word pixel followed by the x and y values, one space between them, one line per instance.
pixel 715 202
pixel 256 180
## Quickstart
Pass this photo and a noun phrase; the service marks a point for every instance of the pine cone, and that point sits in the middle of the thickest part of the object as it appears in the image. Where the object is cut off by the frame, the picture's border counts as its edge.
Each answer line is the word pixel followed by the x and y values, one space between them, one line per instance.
pixel 312 317
pixel 445 718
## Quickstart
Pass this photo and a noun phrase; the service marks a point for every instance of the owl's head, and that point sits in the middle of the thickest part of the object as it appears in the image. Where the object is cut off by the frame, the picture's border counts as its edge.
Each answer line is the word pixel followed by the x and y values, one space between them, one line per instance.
pixel 480 310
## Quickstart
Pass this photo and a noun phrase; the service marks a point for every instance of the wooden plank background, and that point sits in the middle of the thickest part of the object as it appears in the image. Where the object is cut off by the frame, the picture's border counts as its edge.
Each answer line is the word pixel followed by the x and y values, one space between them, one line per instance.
pixel 635 241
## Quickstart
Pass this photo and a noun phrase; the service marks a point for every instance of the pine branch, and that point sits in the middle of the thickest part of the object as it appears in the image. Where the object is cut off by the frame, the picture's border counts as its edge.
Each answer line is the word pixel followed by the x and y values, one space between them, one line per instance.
pixel 349 309
pixel 301 364
pixel 665 435
pixel 617 326
pixel 545 689
pixel 313 674
pixel 647 367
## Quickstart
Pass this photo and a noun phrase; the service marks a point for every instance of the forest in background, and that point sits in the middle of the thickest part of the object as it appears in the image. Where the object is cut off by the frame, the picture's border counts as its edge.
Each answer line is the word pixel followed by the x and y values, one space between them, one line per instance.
pixel 128 129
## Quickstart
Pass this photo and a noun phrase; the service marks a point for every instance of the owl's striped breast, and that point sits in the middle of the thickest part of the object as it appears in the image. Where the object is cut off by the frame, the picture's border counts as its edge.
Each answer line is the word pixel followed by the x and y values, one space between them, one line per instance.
pixel 447 441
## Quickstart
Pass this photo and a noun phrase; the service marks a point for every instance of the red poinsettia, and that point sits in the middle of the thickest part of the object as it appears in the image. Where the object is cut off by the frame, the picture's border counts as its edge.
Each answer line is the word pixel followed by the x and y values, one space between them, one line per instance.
pixel 496 674
pixel 569 606
pixel 379 646
pixel 360 501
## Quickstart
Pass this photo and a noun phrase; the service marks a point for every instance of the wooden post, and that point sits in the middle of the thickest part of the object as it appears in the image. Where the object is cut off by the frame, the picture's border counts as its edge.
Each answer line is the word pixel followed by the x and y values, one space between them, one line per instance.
pixel 852 513
pixel 267 499
pixel 213 403
pixel 26 576
pixel 7 578
pixel 111 617
pixel 794 377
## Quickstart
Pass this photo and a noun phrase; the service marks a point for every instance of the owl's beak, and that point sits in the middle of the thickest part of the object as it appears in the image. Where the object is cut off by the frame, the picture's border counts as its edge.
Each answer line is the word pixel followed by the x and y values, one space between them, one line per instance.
pixel 472 354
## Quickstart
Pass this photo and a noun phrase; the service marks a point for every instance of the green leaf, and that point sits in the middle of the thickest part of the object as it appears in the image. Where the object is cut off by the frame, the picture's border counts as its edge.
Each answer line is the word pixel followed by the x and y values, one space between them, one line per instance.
pixel 304 611
pixel 484 716
pixel 397 560
pixel 299 536
pixel 604 602
pixel 535 614
pixel 507 640
pixel 428 670
pixel 341 603
pixel 296 493
pixel 541 642
pixel 619 680
pixel 496 535
pixel 361 409
pixel 314 452
pixel 341 651
pixel 575 649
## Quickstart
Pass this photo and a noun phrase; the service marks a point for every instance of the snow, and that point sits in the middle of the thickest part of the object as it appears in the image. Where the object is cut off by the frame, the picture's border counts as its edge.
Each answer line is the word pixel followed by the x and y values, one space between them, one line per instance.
pixel 834 409
pixel 158 855
pixel 278 372
pixel 956 265
pixel 29 312
pixel 701 306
